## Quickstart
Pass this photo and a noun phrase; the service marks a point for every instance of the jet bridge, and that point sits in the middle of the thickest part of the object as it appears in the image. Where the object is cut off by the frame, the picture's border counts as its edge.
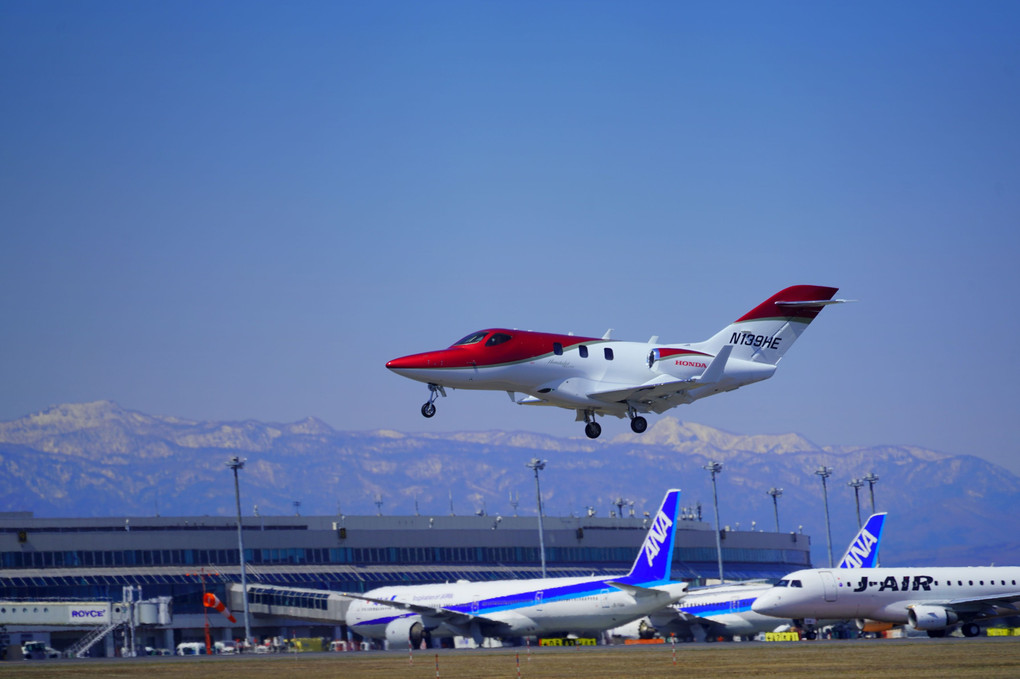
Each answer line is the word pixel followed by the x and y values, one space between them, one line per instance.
pixel 312 605
pixel 100 617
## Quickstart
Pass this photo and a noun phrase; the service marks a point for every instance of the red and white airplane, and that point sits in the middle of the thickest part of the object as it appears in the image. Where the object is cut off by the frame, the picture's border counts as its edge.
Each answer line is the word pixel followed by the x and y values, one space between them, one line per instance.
pixel 599 376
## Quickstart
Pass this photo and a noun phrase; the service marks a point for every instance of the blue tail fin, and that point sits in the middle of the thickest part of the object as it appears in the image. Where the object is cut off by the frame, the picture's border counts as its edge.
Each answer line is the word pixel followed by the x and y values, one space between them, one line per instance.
pixel 863 551
pixel 655 558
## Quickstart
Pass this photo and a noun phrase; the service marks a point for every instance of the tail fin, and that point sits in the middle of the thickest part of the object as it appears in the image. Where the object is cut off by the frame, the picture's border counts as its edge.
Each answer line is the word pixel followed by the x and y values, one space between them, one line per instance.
pixel 863 550
pixel 765 332
pixel 655 558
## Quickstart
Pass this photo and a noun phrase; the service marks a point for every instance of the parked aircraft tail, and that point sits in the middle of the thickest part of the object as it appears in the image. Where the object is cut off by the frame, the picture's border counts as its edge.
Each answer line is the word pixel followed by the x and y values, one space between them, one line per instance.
pixel 766 332
pixel 655 558
pixel 863 551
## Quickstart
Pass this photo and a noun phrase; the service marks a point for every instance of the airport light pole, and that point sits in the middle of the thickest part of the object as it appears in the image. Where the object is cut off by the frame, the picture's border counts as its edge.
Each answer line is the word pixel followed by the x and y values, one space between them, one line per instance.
pixel 775 493
pixel 237 464
pixel 537 465
pixel 826 472
pixel 872 479
pixel 715 468
pixel 856 485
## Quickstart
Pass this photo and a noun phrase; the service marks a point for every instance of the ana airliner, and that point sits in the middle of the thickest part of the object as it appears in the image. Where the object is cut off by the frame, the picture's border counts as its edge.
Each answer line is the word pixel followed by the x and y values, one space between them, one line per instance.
pixel 725 610
pixel 932 599
pixel 515 608
pixel 599 376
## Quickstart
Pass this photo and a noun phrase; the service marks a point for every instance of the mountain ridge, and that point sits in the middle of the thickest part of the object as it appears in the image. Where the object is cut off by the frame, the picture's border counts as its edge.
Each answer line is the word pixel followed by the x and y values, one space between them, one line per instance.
pixel 99 459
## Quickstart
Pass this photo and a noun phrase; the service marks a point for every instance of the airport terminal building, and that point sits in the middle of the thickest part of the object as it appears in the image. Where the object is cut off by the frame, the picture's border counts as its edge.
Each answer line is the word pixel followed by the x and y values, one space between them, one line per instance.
pixel 180 558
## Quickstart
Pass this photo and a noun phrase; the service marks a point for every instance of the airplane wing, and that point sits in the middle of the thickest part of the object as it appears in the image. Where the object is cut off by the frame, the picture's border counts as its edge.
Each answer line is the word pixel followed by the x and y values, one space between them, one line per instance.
pixel 988 606
pixel 436 612
pixel 467 624
pixel 664 387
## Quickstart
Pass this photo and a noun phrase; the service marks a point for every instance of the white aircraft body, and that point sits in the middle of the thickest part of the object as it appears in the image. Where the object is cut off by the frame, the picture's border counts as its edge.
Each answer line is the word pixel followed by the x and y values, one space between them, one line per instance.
pixel 930 599
pixel 599 376
pixel 726 610
pixel 514 608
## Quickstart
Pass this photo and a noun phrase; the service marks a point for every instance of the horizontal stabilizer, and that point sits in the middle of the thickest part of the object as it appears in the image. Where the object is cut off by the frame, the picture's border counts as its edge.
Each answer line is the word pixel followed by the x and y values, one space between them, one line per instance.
pixel 815 303
pixel 714 371
pixel 637 590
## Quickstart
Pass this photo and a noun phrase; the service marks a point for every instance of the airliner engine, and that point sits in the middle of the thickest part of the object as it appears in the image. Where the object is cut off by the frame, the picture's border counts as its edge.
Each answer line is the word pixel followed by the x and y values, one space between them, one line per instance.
pixel 926 617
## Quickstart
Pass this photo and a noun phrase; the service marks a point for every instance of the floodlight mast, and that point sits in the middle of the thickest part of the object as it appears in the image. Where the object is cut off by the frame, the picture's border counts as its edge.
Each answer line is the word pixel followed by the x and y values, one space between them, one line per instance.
pixel 715 468
pixel 824 473
pixel 872 479
pixel 237 464
pixel 537 465
pixel 856 484
pixel 775 493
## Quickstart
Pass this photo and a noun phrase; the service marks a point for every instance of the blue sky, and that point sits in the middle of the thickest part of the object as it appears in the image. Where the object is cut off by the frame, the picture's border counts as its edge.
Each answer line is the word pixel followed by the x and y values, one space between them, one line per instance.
pixel 237 210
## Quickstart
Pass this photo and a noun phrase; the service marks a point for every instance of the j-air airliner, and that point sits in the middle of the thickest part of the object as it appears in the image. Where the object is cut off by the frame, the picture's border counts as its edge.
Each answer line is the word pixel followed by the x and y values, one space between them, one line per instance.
pixel 600 376
pixel 935 600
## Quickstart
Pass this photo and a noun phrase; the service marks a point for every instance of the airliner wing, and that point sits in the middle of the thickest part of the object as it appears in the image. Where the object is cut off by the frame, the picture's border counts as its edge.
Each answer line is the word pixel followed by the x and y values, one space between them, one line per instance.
pixel 436 612
pixel 999 604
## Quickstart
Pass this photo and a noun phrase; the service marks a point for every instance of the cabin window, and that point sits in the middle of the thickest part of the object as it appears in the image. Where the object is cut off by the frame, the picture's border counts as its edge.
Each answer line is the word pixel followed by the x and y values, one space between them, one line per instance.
pixel 497 338
pixel 583 350
pixel 557 348
pixel 609 354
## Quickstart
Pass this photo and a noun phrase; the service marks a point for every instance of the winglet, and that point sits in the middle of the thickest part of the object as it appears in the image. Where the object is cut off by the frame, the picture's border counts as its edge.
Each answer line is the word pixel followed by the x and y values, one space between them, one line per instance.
pixel 863 550
pixel 654 561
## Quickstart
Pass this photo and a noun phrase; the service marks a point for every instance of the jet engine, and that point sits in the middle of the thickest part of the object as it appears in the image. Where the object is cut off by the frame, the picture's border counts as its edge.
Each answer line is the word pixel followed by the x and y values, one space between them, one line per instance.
pixel 926 617
pixel 866 625
pixel 404 630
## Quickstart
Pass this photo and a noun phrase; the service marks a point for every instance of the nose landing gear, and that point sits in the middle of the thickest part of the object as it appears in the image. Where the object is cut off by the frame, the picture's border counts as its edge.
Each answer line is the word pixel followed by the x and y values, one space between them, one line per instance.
pixel 429 409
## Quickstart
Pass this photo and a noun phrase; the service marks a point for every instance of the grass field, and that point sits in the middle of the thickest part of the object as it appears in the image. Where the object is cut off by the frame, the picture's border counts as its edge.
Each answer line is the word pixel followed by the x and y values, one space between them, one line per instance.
pixel 881 659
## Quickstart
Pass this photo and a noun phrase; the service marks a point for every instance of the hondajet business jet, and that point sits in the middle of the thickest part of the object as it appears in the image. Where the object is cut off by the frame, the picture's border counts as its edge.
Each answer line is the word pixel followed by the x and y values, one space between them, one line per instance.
pixel 599 376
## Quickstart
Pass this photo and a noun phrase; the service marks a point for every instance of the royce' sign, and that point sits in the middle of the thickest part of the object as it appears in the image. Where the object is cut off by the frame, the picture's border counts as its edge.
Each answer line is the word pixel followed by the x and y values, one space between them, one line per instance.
pixel 89 614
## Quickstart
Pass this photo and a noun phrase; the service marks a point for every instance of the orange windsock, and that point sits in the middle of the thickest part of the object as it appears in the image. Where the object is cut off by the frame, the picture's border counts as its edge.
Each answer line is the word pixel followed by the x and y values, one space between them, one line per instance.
pixel 211 601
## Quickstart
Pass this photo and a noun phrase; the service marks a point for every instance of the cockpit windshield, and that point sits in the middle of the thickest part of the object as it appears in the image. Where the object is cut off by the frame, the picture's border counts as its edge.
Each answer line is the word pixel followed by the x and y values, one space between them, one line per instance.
pixel 789 583
pixel 473 338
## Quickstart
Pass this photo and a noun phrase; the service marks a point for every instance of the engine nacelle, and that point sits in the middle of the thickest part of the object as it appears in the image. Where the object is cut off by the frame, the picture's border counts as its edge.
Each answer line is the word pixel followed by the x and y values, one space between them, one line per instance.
pixel 865 625
pixel 404 630
pixel 926 617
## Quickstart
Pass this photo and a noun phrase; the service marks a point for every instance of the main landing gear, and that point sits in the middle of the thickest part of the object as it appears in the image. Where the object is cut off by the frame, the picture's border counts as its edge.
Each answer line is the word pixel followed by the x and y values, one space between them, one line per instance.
pixel 637 423
pixel 592 429
pixel 429 409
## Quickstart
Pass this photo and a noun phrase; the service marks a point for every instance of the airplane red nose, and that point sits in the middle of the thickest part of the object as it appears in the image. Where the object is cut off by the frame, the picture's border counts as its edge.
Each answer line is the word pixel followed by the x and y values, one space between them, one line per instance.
pixel 415 362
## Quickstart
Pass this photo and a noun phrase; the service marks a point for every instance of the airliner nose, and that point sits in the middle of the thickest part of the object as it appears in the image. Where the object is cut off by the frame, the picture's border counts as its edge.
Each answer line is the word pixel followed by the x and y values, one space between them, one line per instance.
pixel 765 603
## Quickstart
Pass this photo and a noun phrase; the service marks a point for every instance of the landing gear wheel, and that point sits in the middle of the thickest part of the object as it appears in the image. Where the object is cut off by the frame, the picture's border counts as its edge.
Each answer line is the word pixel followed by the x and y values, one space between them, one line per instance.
pixel 429 409
pixel 638 424
pixel 592 430
pixel 970 630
